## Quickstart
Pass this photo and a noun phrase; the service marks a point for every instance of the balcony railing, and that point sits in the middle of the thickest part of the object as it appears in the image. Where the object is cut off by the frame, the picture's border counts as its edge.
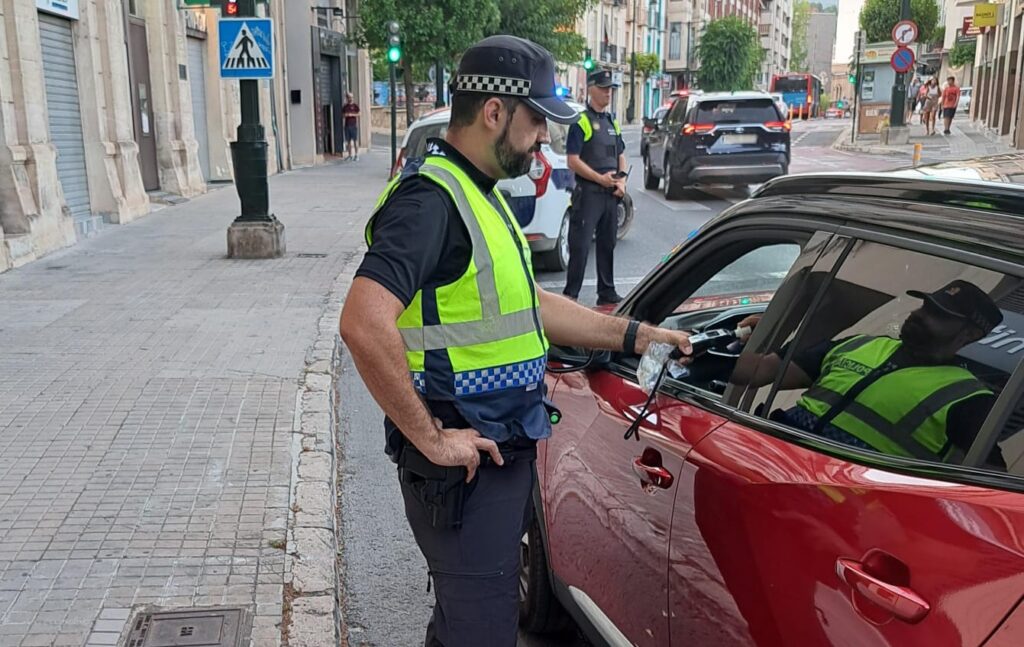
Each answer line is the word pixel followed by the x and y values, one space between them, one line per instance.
pixel 610 53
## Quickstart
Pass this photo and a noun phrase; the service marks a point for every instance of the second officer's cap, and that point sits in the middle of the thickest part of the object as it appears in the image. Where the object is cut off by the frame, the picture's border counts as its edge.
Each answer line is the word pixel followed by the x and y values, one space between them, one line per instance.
pixel 600 78
pixel 516 67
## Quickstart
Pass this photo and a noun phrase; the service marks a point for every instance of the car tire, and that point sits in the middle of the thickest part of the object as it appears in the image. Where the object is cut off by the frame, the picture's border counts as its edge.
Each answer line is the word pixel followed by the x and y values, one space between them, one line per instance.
pixel 539 610
pixel 674 188
pixel 557 259
pixel 651 181
pixel 625 216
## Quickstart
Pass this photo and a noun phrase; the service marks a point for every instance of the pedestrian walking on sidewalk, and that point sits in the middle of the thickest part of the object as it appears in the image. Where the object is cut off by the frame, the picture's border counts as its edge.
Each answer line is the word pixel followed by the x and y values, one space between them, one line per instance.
pixel 596 154
pixel 350 111
pixel 950 100
pixel 912 98
pixel 931 106
pixel 443 321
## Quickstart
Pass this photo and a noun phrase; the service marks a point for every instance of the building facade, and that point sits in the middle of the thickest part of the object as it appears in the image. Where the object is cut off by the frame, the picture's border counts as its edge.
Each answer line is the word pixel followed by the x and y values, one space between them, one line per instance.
pixel 684 22
pixel 604 27
pixel 776 30
pixel 821 41
pixel 847 25
pixel 998 99
pixel 107 105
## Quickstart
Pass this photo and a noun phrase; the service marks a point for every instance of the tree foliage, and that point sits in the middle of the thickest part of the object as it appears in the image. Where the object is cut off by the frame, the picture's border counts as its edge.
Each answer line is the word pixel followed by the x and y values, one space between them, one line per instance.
pixel 549 23
pixel 962 54
pixel 878 17
pixel 438 30
pixel 730 55
pixel 798 48
pixel 647 64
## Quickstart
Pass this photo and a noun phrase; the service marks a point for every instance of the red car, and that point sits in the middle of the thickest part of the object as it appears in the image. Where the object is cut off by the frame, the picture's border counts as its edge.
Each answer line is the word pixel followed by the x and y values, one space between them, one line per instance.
pixel 720 523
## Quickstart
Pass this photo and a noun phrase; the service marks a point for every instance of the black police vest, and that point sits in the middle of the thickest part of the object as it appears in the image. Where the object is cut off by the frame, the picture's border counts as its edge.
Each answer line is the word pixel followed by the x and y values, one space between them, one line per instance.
pixel 601 151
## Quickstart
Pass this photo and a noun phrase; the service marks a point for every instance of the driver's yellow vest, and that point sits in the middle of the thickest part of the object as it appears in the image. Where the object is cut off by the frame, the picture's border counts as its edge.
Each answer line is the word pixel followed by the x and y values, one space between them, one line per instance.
pixel 487 322
pixel 903 413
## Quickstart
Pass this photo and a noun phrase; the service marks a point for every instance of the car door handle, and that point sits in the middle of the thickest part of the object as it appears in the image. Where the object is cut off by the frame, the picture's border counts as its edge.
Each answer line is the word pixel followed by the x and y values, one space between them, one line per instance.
pixel 652 474
pixel 900 601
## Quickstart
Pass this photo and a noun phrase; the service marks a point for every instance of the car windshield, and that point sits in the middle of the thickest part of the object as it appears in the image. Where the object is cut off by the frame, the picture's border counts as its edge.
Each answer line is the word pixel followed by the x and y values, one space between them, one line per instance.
pixel 758 272
pixel 737 112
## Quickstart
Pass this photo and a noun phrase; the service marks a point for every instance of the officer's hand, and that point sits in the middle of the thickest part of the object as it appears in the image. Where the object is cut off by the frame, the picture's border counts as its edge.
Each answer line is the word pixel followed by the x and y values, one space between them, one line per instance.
pixel 454 447
pixel 677 338
pixel 608 180
pixel 620 188
pixel 750 322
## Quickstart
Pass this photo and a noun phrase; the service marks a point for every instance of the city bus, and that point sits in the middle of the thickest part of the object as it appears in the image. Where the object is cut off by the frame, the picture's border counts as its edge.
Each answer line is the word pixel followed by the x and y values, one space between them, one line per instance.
pixel 800 92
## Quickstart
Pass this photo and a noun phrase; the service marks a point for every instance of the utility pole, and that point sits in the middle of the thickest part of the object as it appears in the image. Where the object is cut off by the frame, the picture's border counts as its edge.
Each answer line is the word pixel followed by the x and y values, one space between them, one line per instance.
pixel 858 46
pixel 631 108
pixel 255 233
pixel 439 84
pixel 394 55
pixel 899 88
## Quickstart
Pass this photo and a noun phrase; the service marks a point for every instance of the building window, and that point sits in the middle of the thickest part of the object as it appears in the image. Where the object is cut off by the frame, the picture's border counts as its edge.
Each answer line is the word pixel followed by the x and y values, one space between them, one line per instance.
pixel 133 7
pixel 675 41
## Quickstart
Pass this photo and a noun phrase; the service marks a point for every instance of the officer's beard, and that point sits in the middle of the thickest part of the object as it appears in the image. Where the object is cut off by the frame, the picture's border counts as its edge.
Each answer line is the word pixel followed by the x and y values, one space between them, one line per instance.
pixel 513 163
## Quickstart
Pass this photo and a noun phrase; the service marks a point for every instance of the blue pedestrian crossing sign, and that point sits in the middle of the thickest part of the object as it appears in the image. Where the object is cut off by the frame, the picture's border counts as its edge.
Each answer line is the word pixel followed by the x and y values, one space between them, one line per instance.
pixel 246 48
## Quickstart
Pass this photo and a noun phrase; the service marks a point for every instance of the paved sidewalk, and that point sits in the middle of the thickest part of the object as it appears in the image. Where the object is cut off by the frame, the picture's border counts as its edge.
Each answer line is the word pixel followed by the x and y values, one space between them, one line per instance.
pixel 151 421
pixel 966 141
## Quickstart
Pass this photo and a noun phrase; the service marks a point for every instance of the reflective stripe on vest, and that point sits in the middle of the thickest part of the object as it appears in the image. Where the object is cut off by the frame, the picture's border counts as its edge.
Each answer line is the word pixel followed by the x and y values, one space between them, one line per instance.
pixel 489 325
pixel 904 412
pixel 588 130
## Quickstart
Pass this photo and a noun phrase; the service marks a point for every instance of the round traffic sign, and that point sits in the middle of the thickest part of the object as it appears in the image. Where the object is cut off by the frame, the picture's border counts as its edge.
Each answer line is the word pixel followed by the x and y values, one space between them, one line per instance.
pixel 902 60
pixel 904 33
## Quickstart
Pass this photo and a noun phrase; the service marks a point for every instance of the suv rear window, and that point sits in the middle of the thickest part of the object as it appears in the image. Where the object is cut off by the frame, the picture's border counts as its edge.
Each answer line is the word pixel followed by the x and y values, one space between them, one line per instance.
pixel 727 111
pixel 417 146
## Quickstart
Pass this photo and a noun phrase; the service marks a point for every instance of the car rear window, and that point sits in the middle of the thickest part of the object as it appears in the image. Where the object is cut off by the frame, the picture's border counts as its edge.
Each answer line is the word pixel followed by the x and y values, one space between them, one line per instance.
pixel 417 146
pixel 750 111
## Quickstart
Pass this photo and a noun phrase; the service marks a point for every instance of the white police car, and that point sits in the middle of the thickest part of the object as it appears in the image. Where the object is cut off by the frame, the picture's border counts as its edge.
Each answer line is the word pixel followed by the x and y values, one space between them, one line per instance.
pixel 539 200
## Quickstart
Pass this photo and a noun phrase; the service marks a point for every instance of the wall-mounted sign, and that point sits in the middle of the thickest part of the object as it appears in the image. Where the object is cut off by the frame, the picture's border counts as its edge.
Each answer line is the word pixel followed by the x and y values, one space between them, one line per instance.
pixel 986 15
pixel 66 8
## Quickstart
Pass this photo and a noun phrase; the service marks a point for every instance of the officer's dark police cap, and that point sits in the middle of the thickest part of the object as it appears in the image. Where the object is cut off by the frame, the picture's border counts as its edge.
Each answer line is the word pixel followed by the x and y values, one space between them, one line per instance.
pixel 515 67
pixel 600 78
pixel 965 301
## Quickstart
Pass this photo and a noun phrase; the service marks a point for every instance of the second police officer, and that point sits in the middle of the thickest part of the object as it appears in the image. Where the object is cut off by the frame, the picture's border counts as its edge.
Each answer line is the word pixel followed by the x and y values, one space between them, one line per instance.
pixel 596 155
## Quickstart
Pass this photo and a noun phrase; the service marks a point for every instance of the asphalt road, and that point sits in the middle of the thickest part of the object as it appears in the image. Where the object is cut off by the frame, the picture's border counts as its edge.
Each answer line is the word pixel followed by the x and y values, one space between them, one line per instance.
pixel 386 603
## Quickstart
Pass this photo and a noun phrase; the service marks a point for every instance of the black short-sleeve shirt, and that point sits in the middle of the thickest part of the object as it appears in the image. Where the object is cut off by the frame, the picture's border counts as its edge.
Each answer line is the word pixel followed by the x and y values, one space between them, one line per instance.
pixel 574 140
pixel 418 238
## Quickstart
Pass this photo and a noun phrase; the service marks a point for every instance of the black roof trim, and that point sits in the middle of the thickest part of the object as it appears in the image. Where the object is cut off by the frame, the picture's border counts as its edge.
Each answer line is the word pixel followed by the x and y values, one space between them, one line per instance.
pixel 966 194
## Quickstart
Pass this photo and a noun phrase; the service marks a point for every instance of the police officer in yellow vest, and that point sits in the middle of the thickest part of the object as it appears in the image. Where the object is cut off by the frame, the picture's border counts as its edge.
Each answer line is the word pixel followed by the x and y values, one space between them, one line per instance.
pixel 449 331
pixel 905 397
pixel 596 154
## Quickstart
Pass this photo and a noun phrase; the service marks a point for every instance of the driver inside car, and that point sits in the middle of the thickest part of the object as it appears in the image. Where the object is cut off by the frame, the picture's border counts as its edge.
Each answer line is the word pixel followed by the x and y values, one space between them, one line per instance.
pixel 909 396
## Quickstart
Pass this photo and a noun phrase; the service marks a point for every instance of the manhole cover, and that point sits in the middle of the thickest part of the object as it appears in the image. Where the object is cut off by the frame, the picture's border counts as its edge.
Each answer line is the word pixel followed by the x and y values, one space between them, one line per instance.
pixel 210 627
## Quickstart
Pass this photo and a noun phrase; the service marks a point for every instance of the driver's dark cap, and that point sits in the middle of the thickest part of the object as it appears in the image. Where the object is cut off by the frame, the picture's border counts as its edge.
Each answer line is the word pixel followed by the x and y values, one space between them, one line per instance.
pixel 515 67
pixel 600 78
pixel 965 301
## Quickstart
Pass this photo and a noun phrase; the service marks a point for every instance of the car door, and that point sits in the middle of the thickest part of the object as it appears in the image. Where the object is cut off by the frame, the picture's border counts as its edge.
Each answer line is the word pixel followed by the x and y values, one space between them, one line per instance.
pixel 801 539
pixel 609 499
pixel 673 123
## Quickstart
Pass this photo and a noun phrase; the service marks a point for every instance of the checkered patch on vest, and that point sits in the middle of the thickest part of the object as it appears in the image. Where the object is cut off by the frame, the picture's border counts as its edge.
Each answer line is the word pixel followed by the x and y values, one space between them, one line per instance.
pixel 419 382
pixel 500 377
pixel 492 85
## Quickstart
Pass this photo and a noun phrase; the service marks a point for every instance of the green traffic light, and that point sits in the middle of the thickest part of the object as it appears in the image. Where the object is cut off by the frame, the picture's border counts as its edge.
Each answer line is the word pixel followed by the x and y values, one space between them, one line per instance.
pixel 394 54
pixel 588 64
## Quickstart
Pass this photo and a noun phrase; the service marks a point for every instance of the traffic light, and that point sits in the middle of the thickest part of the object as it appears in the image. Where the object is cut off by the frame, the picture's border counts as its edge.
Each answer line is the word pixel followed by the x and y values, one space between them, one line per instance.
pixel 394 42
pixel 839 104
pixel 230 8
pixel 588 62
pixel 853 79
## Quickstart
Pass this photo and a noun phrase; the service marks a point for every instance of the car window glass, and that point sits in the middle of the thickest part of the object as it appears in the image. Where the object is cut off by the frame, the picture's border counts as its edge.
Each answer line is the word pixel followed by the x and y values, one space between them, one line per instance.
pixel 899 356
pixel 558 134
pixel 736 112
pixel 739 282
pixel 417 146
pixel 678 109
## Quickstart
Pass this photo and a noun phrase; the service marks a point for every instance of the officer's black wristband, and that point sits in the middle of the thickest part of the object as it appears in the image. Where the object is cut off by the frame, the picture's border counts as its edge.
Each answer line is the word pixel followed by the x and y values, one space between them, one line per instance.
pixel 629 341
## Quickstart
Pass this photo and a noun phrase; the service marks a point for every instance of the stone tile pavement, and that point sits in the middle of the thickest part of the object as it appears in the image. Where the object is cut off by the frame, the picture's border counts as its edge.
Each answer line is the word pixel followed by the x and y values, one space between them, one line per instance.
pixel 966 141
pixel 150 395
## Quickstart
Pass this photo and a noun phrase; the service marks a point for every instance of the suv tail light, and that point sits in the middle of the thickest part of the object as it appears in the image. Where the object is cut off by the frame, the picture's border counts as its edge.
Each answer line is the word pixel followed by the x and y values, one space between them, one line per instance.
pixel 540 173
pixel 697 129
pixel 779 126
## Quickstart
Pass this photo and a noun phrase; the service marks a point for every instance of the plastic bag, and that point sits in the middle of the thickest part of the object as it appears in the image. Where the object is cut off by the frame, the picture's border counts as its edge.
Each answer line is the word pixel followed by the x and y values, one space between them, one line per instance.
pixel 651 363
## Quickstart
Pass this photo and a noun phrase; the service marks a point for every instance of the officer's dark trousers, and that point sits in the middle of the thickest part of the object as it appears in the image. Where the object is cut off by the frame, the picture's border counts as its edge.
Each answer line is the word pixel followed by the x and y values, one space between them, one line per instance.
pixel 475 569
pixel 594 210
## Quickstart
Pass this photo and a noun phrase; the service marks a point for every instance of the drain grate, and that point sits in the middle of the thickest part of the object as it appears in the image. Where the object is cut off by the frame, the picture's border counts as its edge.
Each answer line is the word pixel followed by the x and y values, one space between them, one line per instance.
pixel 311 255
pixel 197 627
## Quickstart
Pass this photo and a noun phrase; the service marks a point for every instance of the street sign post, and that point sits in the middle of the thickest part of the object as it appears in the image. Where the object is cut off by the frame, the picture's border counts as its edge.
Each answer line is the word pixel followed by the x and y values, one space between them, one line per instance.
pixel 905 33
pixel 902 60
pixel 246 48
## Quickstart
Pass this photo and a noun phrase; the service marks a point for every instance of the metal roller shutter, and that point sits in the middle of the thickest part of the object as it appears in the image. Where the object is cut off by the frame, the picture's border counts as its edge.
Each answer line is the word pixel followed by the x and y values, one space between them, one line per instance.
pixel 197 81
pixel 65 112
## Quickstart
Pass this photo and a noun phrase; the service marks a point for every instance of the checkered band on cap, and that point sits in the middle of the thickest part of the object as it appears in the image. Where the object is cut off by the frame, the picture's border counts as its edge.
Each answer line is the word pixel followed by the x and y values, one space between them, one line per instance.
pixel 492 85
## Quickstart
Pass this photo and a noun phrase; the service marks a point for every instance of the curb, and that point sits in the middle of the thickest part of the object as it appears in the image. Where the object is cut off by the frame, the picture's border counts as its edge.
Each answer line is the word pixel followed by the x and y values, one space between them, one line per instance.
pixel 312 609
